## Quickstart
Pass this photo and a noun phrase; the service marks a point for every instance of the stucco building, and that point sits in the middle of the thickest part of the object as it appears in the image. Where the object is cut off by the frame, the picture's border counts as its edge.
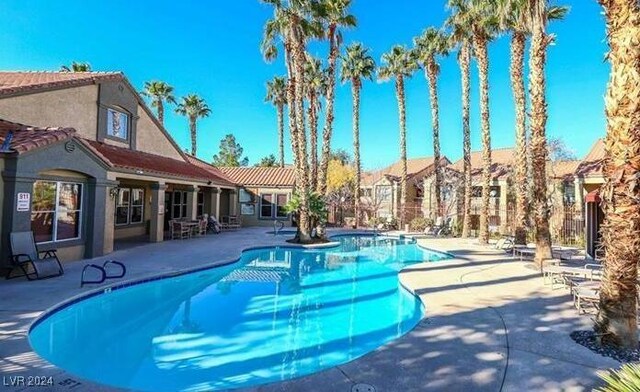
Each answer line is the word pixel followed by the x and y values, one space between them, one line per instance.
pixel 85 164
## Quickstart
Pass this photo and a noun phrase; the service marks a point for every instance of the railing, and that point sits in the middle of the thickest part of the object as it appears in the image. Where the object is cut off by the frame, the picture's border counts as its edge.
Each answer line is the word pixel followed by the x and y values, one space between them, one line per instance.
pixel 277 227
pixel 102 270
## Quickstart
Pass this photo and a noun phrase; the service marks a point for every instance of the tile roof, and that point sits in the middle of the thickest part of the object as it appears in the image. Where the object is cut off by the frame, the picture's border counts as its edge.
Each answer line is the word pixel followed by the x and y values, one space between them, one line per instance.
pixel 593 164
pixel 500 156
pixel 124 158
pixel 261 176
pixel 502 160
pixel 26 138
pixel 564 169
pixel 17 82
pixel 223 178
pixel 414 166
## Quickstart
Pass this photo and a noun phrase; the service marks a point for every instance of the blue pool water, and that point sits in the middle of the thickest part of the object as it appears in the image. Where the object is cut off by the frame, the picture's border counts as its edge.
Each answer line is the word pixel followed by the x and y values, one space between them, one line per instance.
pixel 277 314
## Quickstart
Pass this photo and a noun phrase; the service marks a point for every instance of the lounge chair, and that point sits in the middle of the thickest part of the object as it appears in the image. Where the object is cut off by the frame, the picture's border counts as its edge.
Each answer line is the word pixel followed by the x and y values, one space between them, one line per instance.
pixel 33 263
pixel 505 243
pixel 560 274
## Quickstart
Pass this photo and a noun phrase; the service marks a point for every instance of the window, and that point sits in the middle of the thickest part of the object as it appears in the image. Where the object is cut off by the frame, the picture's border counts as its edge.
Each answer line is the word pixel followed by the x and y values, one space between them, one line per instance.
pixel 178 204
pixel 272 205
pixel 383 193
pixel 244 196
pixel 281 201
pixel 129 206
pixel 117 124
pixel 56 211
pixel 200 204
pixel 266 206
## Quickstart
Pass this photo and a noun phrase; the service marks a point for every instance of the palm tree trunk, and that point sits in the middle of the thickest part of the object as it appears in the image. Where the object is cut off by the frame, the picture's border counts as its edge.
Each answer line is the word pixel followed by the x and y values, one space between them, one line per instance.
pixel 480 46
pixel 281 133
pixel 303 164
pixel 403 146
pixel 160 111
pixel 355 92
pixel 464 57
pixel 432 75
pixel 617 317
pixel 194 136
pixel 329 117
pixel 518 41
pixel 313 134
pixel 539 42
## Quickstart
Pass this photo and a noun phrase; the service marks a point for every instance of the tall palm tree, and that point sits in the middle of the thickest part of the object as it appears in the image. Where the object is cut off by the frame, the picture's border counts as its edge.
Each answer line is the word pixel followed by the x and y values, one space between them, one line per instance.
pixel 399 64
pixel 480 17
pixel 539 13
pixel 159 92
pixel 461 37
pixel 431 44
pixel 617 315
pixel 76 66
pixel 315 81
pixel 194 108
pixel 357 64
pixel 277 95
pixel 515 17
pixel 334 15
pixel 292 25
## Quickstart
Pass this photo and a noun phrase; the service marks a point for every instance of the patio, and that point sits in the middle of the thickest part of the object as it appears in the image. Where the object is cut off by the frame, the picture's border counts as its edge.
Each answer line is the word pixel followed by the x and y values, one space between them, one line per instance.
pixel 491 322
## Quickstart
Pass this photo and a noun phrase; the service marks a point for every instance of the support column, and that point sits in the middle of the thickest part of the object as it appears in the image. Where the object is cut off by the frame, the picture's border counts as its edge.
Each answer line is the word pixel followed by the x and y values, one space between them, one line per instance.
pixel 100 227
pixel 217 195
pixel 502 207
pixel 211 202
pixel 233 202
pixel 192 202
pixel 157 212
pixel 578 184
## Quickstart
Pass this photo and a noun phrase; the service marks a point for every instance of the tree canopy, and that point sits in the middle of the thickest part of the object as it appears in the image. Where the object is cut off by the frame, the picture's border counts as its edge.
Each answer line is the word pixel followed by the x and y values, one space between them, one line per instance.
pixel 268 161
pixel 230 154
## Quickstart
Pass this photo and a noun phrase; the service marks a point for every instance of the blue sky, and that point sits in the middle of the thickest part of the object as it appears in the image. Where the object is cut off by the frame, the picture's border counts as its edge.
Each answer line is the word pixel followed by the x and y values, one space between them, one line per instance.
pixel 212 48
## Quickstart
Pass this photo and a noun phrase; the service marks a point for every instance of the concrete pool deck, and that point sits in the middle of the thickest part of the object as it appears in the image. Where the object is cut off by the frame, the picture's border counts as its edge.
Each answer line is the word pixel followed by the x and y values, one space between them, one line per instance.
pixel 490 323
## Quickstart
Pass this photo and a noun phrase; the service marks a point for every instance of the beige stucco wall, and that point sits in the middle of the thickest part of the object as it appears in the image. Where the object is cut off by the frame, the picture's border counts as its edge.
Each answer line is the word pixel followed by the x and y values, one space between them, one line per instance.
pixel 71 107
pixel 254 220
pixel 151 139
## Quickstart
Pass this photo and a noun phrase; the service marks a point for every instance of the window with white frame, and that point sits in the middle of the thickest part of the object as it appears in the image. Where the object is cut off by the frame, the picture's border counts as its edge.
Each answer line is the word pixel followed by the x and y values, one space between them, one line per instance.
pixel 272 205
pixel 56 211
pixel 117 124
pixel 129 206
pixel 383 193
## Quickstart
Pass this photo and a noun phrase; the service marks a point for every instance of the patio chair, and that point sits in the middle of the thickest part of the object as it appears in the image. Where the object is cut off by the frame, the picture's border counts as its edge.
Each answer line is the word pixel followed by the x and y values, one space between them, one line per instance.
pixel 179 231
pixel 202 226
pixel 586 298
pixel 25 255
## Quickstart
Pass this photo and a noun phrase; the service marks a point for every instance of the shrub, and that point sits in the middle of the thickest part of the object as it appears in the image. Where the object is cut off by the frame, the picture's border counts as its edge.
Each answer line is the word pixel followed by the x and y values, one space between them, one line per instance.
pixel 418 224
pixel 625 379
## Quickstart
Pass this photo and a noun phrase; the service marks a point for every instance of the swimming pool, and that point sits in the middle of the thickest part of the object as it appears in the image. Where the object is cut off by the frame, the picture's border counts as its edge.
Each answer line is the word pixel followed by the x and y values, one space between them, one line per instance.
pixel 276 314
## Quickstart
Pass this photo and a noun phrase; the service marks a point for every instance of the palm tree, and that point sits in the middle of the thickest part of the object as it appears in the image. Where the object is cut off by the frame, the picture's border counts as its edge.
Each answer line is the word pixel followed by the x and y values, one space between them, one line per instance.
pixel 292 25
pixel 515 18
pixel 333 14
pixel 539 13
pixel 277 95
pixel 76 66
pixel 357 64
pixel 159 92
pixel 315 86
pixel 399 64
pixel 194 108
pixel 480 17
pixel 617 315
pixel 461 37
pixel 428 46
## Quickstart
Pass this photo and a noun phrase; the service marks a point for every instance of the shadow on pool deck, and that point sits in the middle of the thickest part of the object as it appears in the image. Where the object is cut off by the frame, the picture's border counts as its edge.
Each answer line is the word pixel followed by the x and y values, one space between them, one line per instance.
pixel 485 313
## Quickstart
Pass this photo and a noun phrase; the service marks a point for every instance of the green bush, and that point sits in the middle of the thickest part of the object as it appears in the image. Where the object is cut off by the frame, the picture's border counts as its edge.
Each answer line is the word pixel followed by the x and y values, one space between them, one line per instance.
pixel 625 379
pixel 419 224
